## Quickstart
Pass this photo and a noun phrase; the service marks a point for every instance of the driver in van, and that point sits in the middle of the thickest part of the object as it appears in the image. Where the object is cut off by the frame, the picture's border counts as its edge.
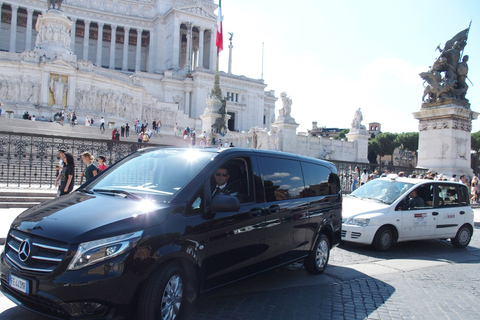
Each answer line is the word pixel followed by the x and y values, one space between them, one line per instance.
pixel 223 185
pixel 221 180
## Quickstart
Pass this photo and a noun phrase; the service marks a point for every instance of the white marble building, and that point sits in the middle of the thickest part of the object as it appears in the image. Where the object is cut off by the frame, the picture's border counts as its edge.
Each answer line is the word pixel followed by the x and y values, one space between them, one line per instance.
pixel 141 59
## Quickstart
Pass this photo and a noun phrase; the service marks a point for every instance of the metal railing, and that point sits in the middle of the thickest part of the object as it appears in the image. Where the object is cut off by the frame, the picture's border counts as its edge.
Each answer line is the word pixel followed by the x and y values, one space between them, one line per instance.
pixel 29 159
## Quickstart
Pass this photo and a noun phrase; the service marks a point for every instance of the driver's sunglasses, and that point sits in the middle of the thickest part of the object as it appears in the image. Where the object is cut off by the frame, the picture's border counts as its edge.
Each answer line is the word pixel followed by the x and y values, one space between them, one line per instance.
pixel 218 174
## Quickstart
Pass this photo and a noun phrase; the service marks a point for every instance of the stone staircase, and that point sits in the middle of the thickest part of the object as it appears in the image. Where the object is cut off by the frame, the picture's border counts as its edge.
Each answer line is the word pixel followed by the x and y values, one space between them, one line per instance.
pixel 24 198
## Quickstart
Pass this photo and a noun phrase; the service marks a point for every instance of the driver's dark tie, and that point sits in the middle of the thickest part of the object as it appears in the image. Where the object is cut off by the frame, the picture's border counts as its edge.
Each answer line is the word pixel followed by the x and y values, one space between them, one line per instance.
pixel 217 191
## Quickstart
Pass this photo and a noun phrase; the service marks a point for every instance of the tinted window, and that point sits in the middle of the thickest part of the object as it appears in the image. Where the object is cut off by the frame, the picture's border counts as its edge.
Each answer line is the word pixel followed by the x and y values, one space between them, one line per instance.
pixel 282 179
pixel 319 180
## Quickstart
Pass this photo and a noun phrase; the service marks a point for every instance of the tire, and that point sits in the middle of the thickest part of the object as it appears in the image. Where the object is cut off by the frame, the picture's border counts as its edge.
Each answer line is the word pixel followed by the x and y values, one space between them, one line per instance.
pixel 317 260
pixel 162 296
pixel 463 236
pixel 384 239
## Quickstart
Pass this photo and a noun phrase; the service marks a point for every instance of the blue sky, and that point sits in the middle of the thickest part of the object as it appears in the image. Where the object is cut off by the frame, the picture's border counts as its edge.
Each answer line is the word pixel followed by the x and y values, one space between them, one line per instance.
pixel 332 57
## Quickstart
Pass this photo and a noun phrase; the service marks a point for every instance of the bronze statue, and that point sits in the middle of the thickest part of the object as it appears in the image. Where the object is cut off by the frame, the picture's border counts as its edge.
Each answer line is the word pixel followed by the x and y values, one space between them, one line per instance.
pixel 447 77
pixel 51 4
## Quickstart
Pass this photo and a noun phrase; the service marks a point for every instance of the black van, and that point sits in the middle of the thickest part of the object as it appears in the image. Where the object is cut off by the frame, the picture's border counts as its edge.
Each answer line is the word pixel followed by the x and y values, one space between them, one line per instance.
pixel 161 225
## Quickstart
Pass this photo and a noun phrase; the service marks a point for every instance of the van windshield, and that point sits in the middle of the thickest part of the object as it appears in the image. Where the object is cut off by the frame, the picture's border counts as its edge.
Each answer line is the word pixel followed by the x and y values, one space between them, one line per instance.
pixel 162 172
pixel 386 191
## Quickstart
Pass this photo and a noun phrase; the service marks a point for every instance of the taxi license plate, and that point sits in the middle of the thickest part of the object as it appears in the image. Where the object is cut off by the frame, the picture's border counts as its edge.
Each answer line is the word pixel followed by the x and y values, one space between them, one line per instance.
pixel 19 284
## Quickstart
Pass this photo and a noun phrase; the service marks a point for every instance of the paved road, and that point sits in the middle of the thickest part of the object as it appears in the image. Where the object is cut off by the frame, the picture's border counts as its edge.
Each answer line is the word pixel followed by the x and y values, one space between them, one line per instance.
pixel 415 280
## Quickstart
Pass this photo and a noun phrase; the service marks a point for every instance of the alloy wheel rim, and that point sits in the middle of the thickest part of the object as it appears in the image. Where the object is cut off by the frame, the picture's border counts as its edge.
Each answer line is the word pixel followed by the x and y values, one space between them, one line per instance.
pixel 172 298
pixel 322 254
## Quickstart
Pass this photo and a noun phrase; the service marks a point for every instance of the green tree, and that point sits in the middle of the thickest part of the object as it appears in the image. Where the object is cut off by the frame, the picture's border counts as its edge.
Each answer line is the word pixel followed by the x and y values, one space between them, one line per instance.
pixel 342 135
pixel 386 143
pixel 372 151
pixel 409 140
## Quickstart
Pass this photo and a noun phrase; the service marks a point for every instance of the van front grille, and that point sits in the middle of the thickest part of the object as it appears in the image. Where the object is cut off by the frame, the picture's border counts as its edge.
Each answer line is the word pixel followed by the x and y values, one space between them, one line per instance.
pixel 39 256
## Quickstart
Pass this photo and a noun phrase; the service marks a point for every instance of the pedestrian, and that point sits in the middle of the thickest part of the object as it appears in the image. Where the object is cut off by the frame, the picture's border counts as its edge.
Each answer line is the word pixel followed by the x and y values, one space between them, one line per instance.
pixel 145 138
pixel 154 124
pixel 32 118
pixel 355 178
pixel 226 144
pixel 87 121
pixel 214 135
pixel 102 124
pixel 67 179
pixel 90 168
pixel 117 135
pixel 59 165
pixel 0 109
pixel 91 121
pixel 231 145
pixel 194 138
pixel 363 177
pixel 62 117
pixel 159 125
pixel 136 125
pixel 175 129
pixel 140 137
pixel 127 130
pixel 122 130
pixel 114 131
pixel 101 163
pixel 74 119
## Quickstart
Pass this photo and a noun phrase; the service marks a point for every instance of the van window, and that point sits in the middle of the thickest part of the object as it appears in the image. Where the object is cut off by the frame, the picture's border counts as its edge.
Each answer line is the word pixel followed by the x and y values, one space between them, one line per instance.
pixel 319 180
pixel 239 183
pixel 282 179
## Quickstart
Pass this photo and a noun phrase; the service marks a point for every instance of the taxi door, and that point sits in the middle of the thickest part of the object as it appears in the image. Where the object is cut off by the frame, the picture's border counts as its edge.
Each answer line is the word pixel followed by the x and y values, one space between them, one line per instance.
pixel 419 222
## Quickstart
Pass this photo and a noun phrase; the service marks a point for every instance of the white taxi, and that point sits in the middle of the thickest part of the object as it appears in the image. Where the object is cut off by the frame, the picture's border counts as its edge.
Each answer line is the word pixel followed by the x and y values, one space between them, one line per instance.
pixel 392 209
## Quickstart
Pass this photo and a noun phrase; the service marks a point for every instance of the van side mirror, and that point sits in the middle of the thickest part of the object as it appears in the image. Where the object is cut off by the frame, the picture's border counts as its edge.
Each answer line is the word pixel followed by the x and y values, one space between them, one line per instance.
pixel 224 203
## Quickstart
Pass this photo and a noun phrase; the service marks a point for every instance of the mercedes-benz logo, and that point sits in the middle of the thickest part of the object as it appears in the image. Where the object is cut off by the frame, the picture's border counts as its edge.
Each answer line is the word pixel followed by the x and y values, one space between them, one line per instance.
pixel 24 250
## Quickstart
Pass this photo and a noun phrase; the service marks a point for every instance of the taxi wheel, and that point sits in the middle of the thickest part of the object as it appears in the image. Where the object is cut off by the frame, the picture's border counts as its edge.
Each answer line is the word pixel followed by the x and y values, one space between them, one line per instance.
pixel 384 239
pixel 162 296
pixel 463 237
pixel 317 260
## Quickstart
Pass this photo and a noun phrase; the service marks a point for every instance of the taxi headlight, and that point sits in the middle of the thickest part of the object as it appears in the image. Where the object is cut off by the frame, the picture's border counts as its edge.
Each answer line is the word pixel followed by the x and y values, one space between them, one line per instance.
pixel 96 251
pixel 358 222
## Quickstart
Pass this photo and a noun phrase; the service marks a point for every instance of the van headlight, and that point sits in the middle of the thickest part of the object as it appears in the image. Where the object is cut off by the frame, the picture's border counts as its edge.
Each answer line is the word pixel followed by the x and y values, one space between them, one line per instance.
pixel 358 222
pixel 96 251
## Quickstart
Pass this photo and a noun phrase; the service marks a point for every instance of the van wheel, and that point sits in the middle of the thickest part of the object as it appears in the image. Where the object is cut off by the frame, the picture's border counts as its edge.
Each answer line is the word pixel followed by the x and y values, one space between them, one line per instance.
pixel 463 236
pixel 383 239
pixel 162 296
pixel 317 260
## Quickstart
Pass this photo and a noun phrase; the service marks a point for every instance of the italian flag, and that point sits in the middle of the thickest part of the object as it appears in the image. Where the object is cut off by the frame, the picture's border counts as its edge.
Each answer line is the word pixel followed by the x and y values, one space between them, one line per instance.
pixel 219 41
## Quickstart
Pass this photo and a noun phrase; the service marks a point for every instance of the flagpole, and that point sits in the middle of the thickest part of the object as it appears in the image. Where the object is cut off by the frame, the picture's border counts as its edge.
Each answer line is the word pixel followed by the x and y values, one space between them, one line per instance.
pixel 263 44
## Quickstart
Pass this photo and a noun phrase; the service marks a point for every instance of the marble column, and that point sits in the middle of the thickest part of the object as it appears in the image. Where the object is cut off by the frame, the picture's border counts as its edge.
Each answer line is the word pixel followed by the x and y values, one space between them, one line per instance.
pixel 138 54
pixel 28 33
pixel 201 32
pixel 176 45
pixel 73 32
pixel 126 39
pixel 99 44
pixel 86 39
pixel 213 50
pixel 113 40
pixel 13 28
pixel 188 52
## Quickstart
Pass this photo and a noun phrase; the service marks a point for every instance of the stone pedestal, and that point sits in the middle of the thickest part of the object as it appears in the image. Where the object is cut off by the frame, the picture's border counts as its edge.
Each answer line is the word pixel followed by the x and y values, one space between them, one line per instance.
pixel 53 37
pixel 360 138
pixel 287 134
pixel 445 137
pixel 211 114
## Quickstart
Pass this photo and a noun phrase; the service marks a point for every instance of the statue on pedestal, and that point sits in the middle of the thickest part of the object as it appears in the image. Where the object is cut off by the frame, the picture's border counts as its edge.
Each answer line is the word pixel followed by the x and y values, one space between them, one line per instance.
pixel 51 4
pixel 447 77
pixel 357 121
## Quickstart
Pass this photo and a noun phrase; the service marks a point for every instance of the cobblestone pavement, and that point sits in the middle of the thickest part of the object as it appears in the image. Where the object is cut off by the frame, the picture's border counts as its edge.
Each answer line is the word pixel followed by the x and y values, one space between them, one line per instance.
pixel 415 280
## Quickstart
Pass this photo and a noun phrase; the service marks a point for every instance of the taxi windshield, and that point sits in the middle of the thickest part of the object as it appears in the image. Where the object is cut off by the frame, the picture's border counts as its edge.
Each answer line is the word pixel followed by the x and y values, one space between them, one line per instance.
pixel 161 172
pixel 384 190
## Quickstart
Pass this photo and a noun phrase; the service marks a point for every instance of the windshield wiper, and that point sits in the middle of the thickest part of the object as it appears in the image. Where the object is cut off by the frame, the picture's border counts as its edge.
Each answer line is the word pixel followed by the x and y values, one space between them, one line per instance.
pixel 118 193
pixel 86 191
